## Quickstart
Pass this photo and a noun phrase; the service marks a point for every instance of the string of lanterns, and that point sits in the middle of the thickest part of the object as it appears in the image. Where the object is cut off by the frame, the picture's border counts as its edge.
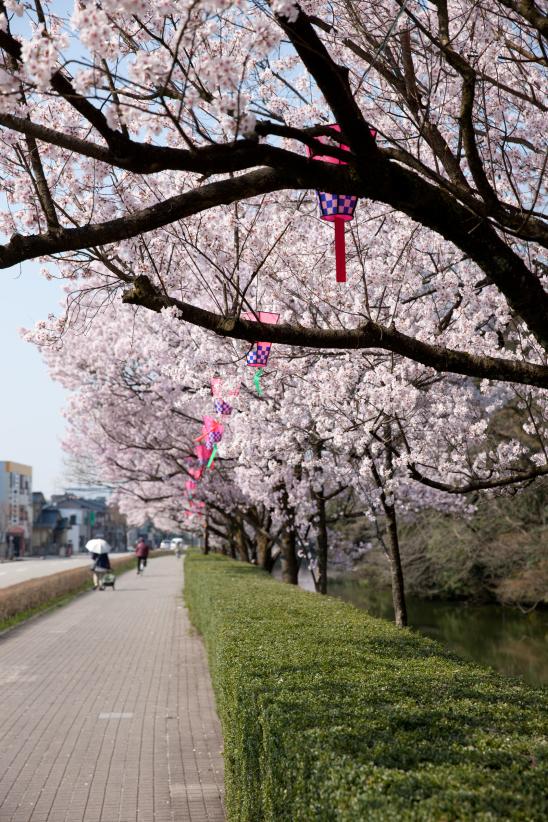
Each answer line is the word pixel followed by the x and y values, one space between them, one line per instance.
pixel 334 208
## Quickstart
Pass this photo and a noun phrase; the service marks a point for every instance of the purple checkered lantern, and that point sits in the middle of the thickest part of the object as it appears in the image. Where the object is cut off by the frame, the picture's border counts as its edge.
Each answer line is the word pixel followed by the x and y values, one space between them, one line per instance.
pixel 213 438
pixel 336 208
pixel 222 407
pixel 258 356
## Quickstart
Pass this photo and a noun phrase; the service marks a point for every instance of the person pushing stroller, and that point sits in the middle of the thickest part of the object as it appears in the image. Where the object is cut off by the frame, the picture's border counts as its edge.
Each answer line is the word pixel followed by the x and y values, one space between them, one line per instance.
pixel 101 567
pixel 141 552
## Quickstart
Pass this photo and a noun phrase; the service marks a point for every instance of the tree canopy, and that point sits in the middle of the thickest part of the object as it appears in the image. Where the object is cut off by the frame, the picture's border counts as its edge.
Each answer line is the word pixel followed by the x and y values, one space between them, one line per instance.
pixel 138 137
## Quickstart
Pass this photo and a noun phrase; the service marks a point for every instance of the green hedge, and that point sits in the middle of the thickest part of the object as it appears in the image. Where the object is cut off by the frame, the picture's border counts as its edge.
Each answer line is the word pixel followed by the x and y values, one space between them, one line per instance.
pixel 329 714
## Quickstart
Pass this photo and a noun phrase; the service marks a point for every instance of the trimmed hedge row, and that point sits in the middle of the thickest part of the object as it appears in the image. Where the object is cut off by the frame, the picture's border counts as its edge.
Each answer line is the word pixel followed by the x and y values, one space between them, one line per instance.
pixel 329 714
pixel 37 594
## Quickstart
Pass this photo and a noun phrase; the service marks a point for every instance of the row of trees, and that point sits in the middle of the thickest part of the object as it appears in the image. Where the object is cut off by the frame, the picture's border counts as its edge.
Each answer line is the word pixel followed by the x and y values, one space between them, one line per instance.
pixel 157 152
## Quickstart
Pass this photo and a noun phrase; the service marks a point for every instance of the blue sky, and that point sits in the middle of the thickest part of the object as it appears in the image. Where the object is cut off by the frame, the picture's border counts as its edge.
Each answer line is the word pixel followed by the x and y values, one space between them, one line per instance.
pixel 31 425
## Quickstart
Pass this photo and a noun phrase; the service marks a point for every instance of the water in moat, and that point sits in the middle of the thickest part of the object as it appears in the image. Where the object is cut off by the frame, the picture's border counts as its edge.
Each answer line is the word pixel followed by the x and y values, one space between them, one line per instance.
pixel 512 642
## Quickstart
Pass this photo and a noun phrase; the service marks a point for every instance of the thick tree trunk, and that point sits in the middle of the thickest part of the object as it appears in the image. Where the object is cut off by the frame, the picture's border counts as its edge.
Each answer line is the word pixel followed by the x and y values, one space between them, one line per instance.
pixel 264 551
pixel 290 563
pixel 396 573
pixel 321 582
pixel 240 540
pixel 206 536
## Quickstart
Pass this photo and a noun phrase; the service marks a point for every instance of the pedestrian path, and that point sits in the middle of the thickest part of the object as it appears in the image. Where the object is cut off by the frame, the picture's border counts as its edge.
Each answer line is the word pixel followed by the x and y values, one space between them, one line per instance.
pixel 107 712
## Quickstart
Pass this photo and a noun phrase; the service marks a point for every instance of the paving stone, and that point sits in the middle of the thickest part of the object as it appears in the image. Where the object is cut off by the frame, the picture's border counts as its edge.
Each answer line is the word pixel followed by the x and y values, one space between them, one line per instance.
pixel 107 712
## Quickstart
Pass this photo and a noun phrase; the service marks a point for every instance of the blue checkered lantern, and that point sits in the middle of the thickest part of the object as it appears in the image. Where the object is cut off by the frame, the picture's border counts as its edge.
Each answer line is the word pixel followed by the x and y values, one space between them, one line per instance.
pixel 336 208
pixel 258 355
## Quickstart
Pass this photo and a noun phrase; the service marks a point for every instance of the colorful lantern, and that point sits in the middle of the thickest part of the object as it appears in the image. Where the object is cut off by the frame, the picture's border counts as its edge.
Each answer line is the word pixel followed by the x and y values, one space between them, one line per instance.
pixel 203 453
pixel 258 356
pixel 212 431
pixel 190 485
pixel 336 208
pixel 213 438
pixel 211 427
pixel 222 407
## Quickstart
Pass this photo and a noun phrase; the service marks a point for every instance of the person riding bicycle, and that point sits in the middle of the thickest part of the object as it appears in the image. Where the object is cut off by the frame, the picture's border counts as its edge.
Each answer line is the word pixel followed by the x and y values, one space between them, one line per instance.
pixel 141 552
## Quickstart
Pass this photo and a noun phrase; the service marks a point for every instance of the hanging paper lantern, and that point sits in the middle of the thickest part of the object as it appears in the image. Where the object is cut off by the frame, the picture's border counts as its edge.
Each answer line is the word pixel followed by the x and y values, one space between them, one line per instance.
pixel 220 390
pixel 212 427
pixel 190 485
pixel 213 438
pixel 203 453
pixel 336 208
pixel 258 356
pixel 222 407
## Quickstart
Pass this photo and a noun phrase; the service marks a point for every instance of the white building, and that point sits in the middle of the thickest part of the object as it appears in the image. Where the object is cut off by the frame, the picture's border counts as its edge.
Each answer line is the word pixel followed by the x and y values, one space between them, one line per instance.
pixel 15 509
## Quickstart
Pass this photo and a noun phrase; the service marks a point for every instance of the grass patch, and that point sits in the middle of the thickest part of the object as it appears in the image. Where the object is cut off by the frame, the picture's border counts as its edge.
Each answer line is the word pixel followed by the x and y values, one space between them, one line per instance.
pixel 330 714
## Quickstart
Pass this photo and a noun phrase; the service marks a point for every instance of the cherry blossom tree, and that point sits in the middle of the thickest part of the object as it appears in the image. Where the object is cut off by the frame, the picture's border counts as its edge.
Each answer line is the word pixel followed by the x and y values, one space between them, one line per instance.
pixel 323 443
pixel 137 136
pixel 157 152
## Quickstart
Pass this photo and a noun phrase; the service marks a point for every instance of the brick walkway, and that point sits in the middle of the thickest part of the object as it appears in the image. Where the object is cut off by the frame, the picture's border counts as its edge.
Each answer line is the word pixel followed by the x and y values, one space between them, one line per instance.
pixel 107 712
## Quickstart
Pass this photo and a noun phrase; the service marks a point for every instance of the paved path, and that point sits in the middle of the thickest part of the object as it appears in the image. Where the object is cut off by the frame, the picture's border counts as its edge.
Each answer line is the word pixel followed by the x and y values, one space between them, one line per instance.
pixel 20 570
pixel 107 712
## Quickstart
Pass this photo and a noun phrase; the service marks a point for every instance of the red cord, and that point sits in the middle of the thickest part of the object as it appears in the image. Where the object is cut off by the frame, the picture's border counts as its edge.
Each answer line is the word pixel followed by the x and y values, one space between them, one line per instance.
pixel 340 251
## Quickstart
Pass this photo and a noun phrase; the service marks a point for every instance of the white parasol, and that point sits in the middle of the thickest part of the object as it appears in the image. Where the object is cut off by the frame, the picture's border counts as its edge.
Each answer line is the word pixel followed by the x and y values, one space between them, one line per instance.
pixel 98 546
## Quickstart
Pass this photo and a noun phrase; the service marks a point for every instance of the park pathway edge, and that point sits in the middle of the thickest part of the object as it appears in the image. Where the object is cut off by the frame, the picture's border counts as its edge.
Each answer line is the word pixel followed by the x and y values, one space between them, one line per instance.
pixel 107 712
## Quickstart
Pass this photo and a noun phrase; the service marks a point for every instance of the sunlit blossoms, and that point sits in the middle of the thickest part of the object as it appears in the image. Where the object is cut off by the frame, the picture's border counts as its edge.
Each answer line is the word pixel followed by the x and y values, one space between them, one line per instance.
pixel 157 154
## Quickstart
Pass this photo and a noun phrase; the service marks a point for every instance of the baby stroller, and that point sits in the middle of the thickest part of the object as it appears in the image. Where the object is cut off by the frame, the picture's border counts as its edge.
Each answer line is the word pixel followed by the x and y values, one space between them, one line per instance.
pixel 109 580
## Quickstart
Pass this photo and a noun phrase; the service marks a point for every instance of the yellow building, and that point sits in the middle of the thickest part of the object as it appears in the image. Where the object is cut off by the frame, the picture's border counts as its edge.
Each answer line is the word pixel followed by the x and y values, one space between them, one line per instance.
pixel 15 509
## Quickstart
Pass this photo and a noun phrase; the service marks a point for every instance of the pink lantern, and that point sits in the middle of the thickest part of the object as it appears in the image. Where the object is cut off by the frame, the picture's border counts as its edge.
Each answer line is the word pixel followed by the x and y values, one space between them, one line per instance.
pixel 258 356
pixel 211 424
pixel 190 485
pixel 203 453
pixel 212 431
pixel 220 391
pixel 336 208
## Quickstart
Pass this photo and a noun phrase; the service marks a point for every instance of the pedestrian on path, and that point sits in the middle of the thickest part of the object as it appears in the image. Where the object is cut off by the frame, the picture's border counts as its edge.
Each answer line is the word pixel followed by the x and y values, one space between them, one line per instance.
pixel 99 549
pixel 141 552
pixel 101 566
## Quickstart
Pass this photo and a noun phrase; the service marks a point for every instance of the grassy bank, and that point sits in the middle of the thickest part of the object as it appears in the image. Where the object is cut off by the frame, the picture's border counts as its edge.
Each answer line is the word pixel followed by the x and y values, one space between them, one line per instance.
pixel 329 714
pixel 27 599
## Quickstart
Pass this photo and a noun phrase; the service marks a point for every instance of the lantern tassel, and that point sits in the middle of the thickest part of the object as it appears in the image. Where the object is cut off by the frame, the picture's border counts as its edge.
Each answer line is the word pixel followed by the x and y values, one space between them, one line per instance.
pixel 258 374
pixel 212 457
pixel 340 251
